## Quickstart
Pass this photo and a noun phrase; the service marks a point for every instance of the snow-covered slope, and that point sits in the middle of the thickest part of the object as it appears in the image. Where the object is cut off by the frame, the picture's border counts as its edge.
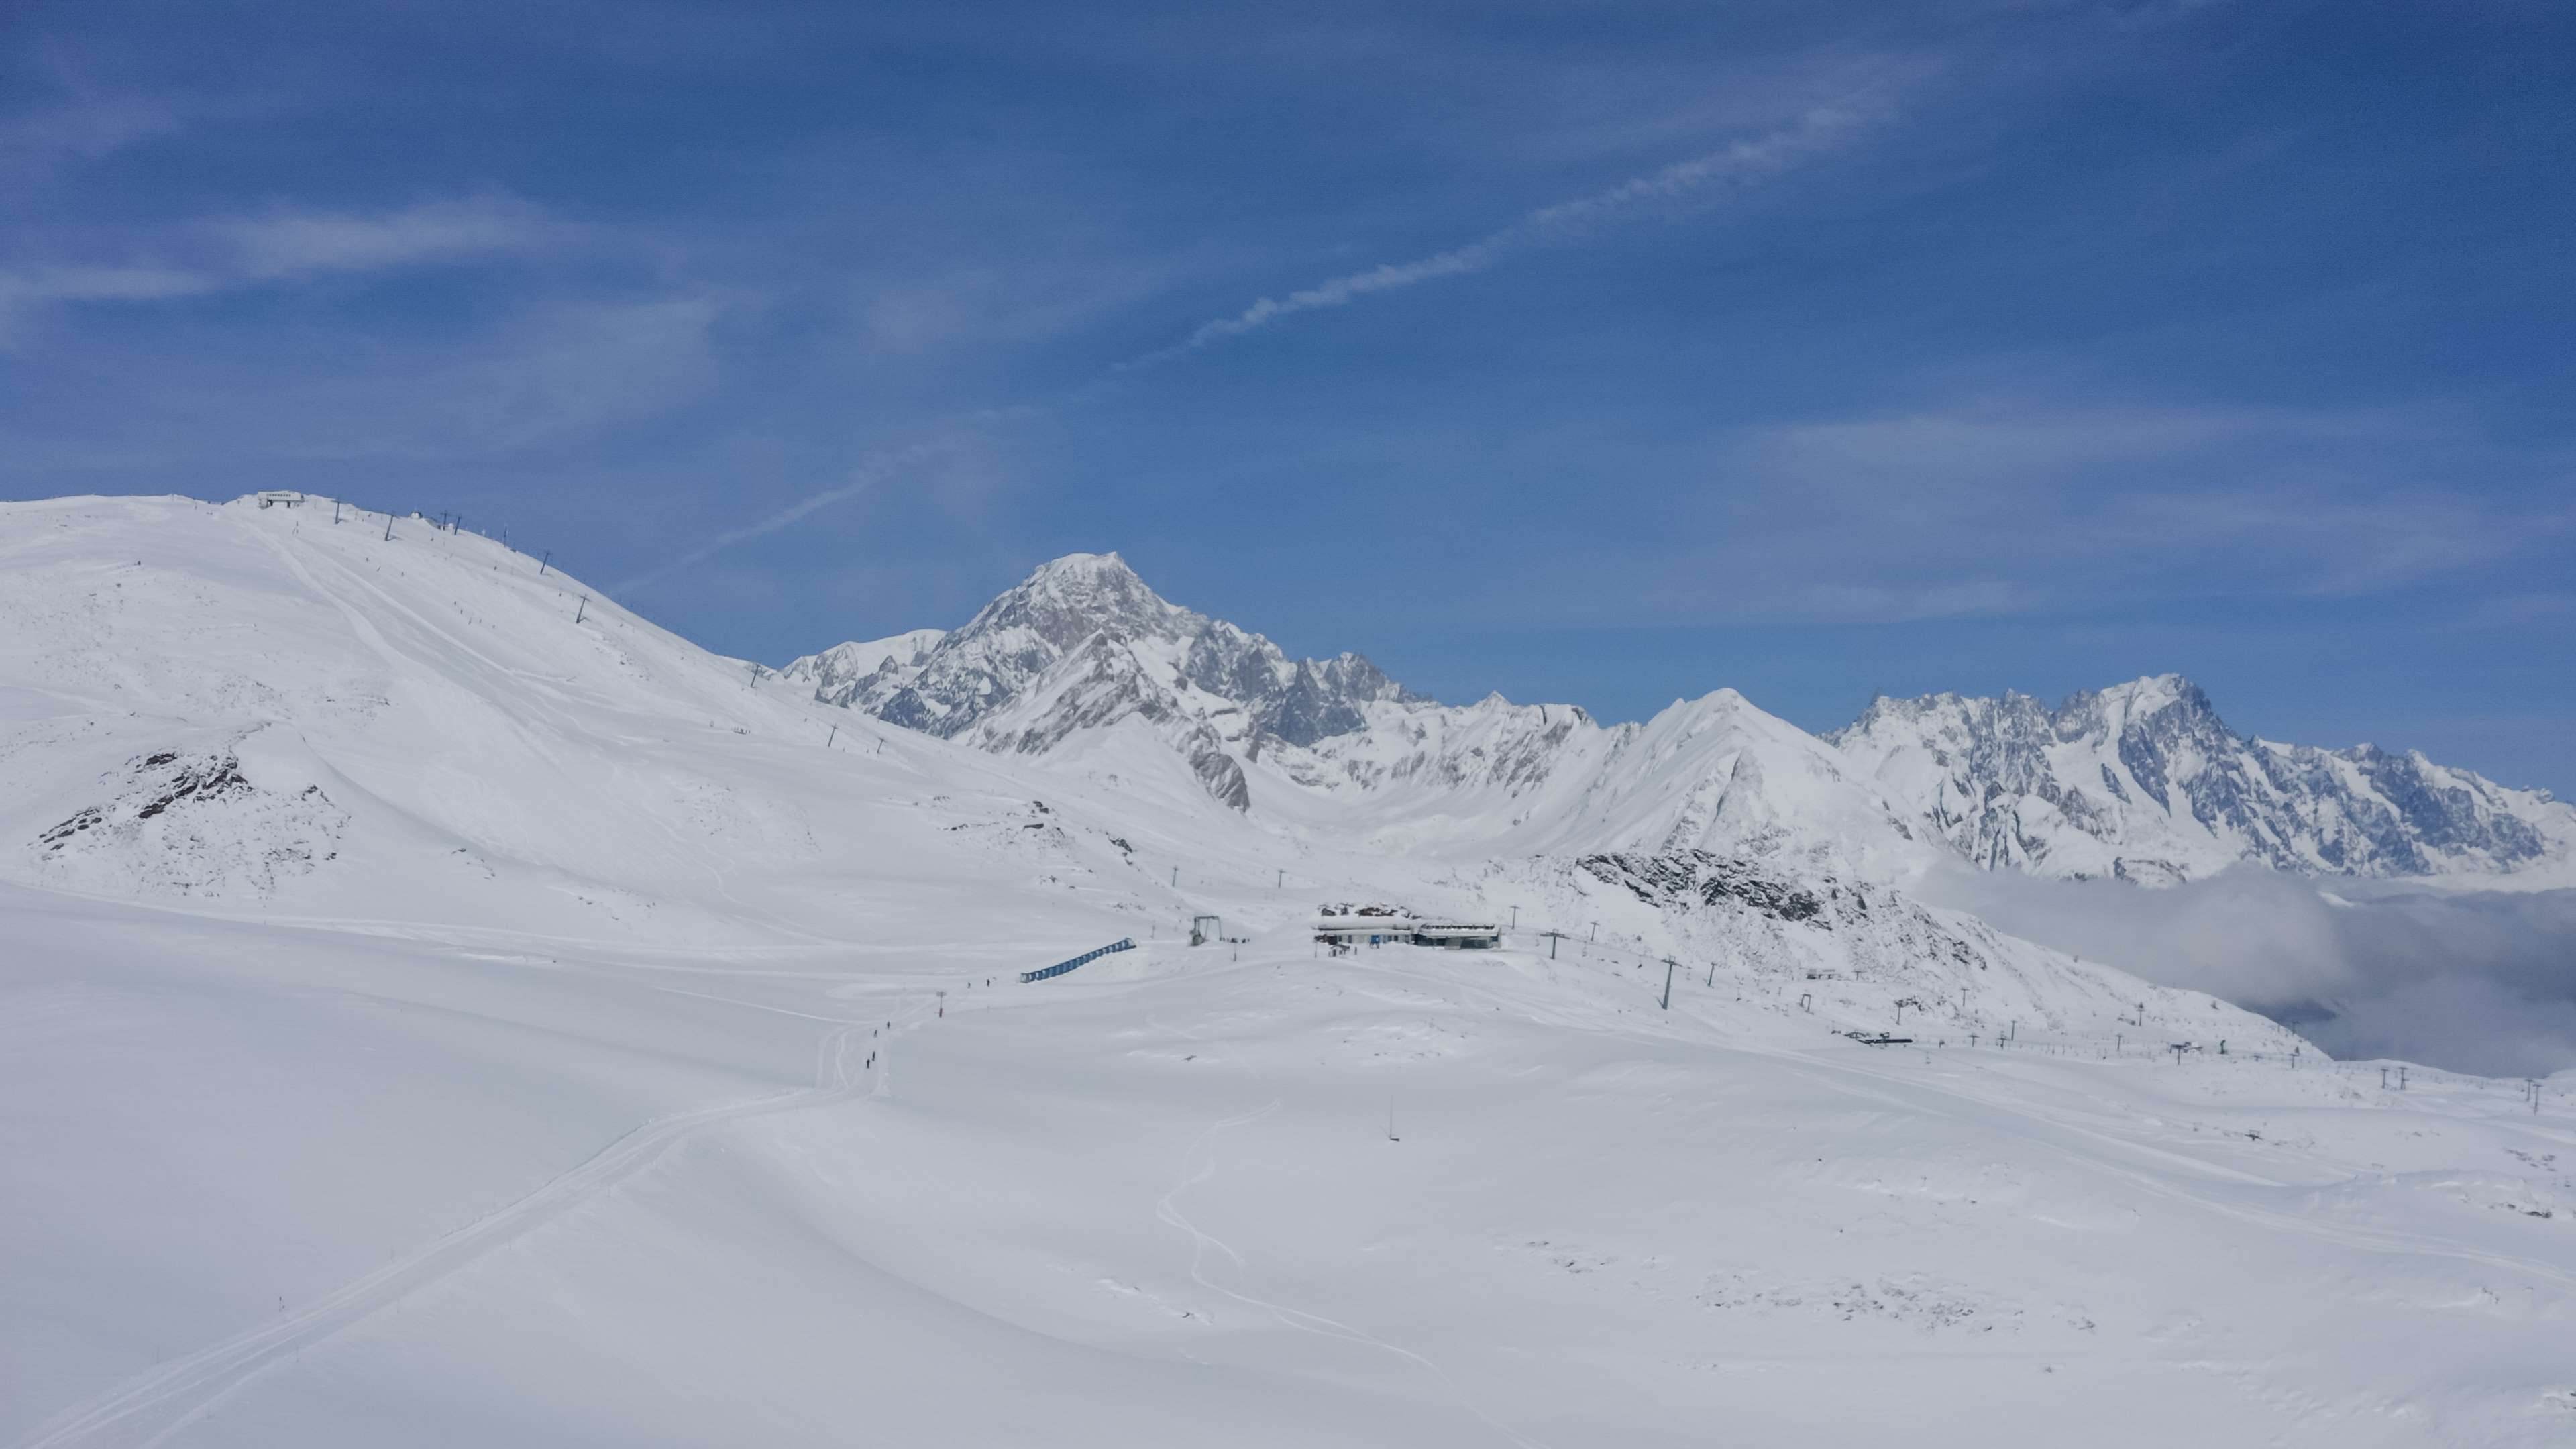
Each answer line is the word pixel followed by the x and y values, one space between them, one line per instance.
pixel 2144 781
pixel 261 711
pixel 439 1007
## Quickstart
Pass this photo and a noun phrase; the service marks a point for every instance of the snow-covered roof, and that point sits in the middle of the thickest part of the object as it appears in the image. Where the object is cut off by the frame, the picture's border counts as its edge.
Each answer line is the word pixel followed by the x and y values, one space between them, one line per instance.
pixel 1366 925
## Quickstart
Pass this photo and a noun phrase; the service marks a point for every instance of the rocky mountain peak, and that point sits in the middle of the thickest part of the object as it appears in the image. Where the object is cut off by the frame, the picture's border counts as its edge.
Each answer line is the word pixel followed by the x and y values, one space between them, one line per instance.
pixel 1083 642
pixel 2106 713
pixel 1066 600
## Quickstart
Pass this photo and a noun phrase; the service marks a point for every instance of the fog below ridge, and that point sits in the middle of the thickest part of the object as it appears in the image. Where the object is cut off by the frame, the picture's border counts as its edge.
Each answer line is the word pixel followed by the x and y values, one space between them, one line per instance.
pixel 2472 981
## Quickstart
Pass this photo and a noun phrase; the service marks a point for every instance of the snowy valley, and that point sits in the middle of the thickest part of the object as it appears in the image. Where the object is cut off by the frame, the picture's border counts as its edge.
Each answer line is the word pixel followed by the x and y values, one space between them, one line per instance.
pixel 443 1007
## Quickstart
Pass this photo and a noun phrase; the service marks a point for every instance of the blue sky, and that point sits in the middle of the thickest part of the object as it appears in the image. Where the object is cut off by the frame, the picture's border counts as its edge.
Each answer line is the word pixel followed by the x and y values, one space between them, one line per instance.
pixel 1593 353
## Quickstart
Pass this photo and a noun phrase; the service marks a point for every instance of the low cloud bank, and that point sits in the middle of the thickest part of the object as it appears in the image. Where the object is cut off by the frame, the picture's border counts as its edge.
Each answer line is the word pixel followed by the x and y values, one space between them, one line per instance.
pixel 2480 981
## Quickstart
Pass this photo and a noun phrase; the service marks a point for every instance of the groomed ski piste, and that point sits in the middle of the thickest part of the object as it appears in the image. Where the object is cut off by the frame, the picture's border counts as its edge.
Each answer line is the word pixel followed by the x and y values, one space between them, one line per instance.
pixel 439 1007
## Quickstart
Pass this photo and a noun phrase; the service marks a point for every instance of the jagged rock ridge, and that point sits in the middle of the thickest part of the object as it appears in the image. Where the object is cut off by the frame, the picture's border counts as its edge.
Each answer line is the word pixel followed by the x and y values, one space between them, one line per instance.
pixel 2141 781
pixel 1083 643
pixel 2145 781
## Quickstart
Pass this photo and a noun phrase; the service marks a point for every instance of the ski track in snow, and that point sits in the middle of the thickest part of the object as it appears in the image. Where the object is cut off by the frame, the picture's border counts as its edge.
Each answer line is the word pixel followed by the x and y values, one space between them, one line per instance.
pixel 1167 1211
pixel 198 1382
pixel 542 691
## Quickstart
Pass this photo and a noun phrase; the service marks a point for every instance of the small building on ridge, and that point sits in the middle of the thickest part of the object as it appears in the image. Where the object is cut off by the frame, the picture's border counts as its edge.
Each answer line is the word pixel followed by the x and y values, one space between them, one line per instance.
pixel 1343 927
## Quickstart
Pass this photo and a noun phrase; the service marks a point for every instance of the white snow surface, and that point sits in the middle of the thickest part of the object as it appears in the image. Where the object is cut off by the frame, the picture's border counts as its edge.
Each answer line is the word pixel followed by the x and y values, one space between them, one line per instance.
pixel 428 1019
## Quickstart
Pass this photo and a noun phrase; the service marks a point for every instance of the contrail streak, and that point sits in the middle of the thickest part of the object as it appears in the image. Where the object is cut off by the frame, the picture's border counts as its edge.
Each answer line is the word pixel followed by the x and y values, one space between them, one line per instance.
pixel 1690 185
pixel 868 474
pixel 1682 187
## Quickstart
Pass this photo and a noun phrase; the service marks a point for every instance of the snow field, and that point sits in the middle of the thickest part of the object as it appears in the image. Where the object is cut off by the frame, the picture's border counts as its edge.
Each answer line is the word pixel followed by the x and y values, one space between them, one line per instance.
pixel 537 1105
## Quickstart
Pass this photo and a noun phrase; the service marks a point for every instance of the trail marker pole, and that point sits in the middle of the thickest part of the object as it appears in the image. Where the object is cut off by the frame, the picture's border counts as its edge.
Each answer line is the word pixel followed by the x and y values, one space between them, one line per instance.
pixel 834 735
pixel 584 609
pixel 335 510
pixel 1176 877
pixel 1668 983
pixel 389 525
pixel 541 563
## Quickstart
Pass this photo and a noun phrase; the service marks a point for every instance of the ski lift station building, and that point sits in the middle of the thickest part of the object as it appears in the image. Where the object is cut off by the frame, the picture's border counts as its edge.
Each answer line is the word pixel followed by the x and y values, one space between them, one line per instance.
pixel 1459 935
pixel 1370 929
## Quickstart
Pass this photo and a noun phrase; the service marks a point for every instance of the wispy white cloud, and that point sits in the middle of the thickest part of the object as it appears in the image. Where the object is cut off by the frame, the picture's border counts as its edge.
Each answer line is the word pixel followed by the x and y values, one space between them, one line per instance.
pixel 288 245
pixel 83 129
pixel 1996 506
pixel 542 376
pixel 295 242
pixel 1685 186
pixel 136 283
pixel 568 370
pixel 35 288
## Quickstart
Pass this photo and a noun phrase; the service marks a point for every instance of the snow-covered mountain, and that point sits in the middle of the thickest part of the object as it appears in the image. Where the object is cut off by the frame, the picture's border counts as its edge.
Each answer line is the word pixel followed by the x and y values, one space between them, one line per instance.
pixel 1713 773
pixel 2143 781
pixel 1083 644
pixel 438 1006
pixel 1083 649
